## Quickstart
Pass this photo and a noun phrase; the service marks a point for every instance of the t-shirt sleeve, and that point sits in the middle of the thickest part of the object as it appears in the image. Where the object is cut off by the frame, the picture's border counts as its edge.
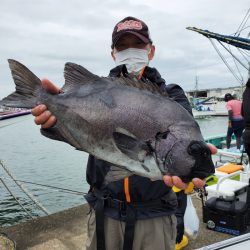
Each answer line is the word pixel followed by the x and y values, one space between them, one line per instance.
pixel 229 106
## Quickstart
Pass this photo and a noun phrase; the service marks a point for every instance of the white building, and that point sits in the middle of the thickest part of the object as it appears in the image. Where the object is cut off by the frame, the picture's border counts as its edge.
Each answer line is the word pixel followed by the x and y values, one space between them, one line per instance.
pixel 218 93
pixel 211 101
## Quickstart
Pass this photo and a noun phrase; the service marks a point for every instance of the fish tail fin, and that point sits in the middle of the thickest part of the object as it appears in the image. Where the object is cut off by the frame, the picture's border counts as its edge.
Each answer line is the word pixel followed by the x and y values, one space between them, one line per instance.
pixel 28 86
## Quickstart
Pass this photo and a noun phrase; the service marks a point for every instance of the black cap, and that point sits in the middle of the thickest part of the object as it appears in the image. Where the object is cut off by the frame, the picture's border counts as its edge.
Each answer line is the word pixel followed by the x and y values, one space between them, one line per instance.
pixel 133 26
pixel 228 97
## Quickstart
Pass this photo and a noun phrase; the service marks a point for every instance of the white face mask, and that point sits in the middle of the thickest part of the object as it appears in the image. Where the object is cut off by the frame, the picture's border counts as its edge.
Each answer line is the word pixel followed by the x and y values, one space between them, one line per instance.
pixel 134 59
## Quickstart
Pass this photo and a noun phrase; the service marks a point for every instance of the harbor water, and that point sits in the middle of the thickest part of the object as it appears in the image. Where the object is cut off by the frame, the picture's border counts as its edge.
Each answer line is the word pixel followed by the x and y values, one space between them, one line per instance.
pixel 31 157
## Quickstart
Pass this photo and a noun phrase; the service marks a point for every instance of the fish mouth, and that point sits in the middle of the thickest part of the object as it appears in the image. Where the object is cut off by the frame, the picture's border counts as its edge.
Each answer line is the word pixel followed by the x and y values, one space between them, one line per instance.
pixel 203 166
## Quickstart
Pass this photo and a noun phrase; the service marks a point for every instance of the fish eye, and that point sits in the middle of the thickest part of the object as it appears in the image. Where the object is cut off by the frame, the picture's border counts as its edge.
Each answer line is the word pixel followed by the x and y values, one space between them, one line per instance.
pixel 162 135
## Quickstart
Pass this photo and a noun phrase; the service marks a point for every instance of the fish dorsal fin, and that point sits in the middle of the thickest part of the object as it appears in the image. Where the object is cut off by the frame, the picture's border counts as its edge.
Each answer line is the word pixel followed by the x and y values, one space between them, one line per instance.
pixel 75 74
pixel 149 86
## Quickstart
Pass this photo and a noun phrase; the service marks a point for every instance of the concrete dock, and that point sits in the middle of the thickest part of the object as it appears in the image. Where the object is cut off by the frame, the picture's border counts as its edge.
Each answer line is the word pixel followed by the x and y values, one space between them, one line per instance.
pixel 67 230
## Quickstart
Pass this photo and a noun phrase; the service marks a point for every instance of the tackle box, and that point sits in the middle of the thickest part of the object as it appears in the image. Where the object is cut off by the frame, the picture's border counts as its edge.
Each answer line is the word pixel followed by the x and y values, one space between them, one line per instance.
pixel 228 190
pixel 227 208
pixel 226 216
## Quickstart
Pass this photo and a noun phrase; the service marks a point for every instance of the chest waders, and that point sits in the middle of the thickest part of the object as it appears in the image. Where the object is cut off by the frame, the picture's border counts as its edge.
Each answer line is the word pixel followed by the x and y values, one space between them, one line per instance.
pixel 127 213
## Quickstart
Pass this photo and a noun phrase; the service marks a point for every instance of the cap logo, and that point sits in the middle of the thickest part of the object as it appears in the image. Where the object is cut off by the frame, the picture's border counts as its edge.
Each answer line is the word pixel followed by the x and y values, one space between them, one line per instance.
pixel 129 24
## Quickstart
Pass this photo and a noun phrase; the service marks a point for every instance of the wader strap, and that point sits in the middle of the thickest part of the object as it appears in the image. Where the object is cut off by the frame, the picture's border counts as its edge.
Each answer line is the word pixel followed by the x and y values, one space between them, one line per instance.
pixel 99 214
pixel 126 189
pixel 127 211
pixel 129 228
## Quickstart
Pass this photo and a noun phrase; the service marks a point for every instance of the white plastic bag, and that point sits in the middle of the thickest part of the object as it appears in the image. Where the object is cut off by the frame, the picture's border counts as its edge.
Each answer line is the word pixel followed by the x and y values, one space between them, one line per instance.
pixel 191 219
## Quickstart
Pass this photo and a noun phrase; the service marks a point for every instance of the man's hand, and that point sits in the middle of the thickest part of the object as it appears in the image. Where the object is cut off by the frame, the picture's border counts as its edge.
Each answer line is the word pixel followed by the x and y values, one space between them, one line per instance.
pixel 176 181
pixel 43 116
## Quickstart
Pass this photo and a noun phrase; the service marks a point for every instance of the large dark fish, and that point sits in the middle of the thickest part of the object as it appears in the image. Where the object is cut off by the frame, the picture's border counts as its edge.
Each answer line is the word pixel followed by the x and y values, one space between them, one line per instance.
pixel 128 123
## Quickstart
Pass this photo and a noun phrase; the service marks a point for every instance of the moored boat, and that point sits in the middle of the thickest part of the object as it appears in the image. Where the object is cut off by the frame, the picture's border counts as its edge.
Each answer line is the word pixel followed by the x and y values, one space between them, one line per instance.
pixel 13 113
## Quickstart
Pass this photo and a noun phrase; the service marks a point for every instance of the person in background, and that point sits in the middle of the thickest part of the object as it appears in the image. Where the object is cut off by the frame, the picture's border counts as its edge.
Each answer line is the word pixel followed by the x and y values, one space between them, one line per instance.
pixel 246 114
pixel 133 213
pixel 235 120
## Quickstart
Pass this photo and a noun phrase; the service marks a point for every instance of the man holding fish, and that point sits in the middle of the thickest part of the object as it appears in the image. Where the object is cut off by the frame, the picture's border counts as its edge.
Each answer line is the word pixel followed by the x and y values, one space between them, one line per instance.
pixel 136 211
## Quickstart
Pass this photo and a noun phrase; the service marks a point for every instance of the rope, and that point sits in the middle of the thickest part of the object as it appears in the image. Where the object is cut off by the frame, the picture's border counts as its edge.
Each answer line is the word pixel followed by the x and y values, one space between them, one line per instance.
pixel 64 190
pixel 13 123
pixel 243 23
pixel 244 54
pixel 24 189
pixel 239 73
pixel 16 199
pixel 233 55
pixel 225 62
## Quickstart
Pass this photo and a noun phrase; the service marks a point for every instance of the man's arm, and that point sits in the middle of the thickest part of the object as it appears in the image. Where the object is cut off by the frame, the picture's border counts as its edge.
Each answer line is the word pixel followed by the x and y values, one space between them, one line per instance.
pixel 176 93
pixel 230 114
pixel 230 117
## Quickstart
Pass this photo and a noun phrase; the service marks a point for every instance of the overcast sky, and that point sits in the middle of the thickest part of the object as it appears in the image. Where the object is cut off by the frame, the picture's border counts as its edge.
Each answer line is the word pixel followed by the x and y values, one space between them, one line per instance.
pixel 45 34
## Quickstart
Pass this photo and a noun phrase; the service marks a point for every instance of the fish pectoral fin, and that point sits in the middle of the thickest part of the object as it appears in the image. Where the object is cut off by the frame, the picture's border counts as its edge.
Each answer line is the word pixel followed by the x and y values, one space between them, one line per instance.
pixel 75 74
pixel 116 173
pixel 125 132
pixel 131 146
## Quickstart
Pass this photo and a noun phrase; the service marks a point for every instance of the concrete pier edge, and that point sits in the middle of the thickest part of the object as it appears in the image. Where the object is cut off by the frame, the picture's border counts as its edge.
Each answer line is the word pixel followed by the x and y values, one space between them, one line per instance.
pixel 68 230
